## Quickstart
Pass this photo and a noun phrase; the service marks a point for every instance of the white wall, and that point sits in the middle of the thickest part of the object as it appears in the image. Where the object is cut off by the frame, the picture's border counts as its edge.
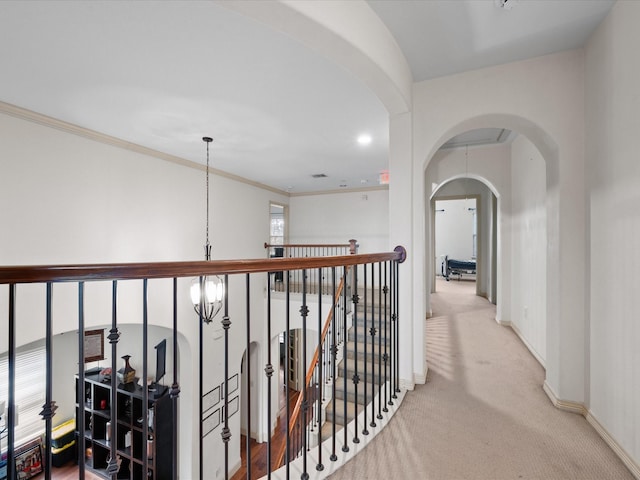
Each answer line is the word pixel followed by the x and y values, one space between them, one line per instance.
pixel 70 199
pixel 529 245
pixel 613 195
pixel 543 99
pixel 339 217
pixel 454 229
pixel 489 172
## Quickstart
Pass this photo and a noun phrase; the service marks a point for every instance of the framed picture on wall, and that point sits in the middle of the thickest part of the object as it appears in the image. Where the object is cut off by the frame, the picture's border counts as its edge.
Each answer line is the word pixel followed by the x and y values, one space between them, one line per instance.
pixel 93 345
pixel 28 460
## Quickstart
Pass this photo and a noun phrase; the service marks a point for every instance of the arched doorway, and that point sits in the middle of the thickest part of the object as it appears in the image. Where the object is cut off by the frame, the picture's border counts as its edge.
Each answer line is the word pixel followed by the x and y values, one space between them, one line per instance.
pixel 512 256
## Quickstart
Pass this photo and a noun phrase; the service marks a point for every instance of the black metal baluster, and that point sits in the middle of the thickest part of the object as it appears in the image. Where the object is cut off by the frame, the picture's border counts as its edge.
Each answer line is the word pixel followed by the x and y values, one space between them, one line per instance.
pixel 320 392
pixel 380 356
pixel 114 336
pixel 365 431
pixel 269 372
pixel 175 387
pixel 397 328
pixel 286 374
pixel 304 312
pixel 145 390
pixel 345 446
pixel 334 353
pixel 372 331
pixel 200 378
pixel 81 399
pixel 356 378
pixel 248 376
pixel 49 408
pixel 392 326
pixel 385 290
pixel 226 324
pixel 10 418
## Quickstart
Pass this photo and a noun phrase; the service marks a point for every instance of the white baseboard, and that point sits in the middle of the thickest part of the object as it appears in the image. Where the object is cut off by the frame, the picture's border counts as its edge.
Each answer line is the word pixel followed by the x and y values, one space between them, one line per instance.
pixel 624 456
pixel 407 384
pixel 421 379
pixel 528 345
pixel 575 407
pixel 566 405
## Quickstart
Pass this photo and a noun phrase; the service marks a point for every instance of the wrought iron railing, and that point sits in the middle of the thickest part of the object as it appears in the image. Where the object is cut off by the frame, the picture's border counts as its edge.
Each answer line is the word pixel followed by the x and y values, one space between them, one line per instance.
pixel 318 280
pixel 317 387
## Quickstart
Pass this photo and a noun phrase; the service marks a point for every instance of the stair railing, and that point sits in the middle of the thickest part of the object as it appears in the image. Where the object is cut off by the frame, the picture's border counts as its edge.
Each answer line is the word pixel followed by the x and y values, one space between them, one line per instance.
pixel 317 280
pixel 16 279
pixel 304 418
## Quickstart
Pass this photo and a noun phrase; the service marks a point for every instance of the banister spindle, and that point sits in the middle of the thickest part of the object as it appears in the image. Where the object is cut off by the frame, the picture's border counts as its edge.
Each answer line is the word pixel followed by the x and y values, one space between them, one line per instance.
pixel 145 390
pixel 114 336
pixel 269 373
pixel 286 376
pixel 175 388
pixel 356 377
pixel 248 375
pixel 365 309
pixel 226 324
pixel 345 446
pixel 380 356
pixel 385 357
pixel 10 411
pixel 334 353
pixel 49 408
pixel 320 387
pixel 372 331
pixel 304 312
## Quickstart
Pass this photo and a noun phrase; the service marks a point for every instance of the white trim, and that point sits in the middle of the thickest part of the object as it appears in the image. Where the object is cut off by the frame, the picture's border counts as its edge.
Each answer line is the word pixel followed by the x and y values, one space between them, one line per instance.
pixel 421 379
pixel 51 122
pixel 566 405
pixel 341 190
pixel 526 343
pixel 575 407
pixel 504 323
pixel 615 446
pixel 406 384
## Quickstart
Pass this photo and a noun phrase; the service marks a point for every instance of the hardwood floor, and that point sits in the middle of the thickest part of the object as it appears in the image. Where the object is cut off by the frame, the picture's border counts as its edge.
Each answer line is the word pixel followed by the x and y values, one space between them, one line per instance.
pixel 259 450
pixel 69 472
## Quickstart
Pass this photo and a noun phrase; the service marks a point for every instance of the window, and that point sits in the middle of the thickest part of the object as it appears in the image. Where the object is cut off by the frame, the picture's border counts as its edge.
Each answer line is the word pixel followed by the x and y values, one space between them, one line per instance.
pixel 276 233
pixel 29 392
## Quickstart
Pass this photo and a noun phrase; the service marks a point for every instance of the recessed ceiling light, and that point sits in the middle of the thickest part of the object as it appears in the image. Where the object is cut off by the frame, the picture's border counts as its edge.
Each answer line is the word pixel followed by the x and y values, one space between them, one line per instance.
pixel 364 139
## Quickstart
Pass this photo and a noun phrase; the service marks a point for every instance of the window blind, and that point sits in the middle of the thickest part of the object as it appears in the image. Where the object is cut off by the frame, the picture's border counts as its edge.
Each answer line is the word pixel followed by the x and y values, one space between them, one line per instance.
pixel 29 392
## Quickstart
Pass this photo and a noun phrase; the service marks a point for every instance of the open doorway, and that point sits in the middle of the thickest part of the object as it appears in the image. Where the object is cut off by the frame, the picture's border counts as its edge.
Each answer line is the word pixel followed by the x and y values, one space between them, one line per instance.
pixel 456 238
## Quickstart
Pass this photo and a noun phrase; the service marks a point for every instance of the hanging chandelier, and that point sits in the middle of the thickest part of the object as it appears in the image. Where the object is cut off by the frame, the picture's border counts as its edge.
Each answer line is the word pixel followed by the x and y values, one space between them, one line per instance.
pixel 207 292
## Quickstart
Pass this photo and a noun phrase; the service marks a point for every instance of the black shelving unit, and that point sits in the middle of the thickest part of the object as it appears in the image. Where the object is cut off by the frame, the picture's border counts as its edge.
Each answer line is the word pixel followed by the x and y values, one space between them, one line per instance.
pixel 129 434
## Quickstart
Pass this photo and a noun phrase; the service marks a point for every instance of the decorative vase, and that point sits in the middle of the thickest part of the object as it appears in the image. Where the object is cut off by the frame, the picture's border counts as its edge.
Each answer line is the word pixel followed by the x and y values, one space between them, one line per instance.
pixel 127 374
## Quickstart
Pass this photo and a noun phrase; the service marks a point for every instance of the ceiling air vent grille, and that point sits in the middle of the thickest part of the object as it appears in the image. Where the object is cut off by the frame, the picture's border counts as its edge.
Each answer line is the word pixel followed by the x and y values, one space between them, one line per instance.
pixel 319 175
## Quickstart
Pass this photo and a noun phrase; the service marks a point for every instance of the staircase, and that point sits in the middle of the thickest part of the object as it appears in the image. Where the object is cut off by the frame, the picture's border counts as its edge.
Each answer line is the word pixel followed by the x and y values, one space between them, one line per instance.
pixel 359 341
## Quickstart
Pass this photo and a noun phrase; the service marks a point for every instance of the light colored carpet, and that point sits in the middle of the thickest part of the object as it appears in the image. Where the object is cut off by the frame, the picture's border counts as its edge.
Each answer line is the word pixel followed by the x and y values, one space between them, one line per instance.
pixel 482 414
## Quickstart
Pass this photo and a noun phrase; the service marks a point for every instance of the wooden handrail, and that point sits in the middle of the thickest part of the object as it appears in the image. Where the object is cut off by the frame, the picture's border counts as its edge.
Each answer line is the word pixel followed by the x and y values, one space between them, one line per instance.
pixel 132 271
pixel 296 409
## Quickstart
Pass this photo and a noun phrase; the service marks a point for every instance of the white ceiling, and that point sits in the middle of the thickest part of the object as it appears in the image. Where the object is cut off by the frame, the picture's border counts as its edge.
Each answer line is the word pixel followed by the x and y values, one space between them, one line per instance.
pixel 162 74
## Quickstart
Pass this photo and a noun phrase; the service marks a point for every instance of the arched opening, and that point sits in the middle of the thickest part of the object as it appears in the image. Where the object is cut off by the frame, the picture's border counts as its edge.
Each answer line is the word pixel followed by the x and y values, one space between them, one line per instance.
pixel 249 375
pixel 511 181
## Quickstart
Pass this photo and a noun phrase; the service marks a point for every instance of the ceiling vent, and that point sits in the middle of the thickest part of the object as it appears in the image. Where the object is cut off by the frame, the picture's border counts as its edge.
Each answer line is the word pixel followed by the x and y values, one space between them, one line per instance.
pixel 506 4
pixel 319 175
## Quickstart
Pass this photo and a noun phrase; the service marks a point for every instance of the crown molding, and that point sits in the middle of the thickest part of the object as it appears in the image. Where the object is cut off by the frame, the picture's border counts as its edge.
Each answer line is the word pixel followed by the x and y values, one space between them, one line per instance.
pixel 341 190
pixel 44 120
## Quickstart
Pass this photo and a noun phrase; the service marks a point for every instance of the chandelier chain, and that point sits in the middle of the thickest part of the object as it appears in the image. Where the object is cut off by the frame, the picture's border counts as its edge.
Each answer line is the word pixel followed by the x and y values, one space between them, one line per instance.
pixel 207 192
